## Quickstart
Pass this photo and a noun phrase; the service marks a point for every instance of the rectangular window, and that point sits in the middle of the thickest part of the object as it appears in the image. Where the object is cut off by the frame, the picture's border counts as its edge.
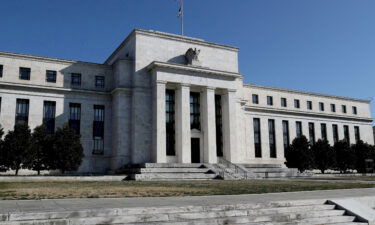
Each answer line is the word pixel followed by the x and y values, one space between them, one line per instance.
pixel 76 79
pixel 272 138
pixel 98 129
pixel 335 130
pixel 354 110
pixel 255 99
pixel 49 111
pixel 25 73
pixel 269 100
pixel 170 122
pixel 357 134
pixel 296 104
pixel 75 117
pixel 299 129
pixel 323 128
pixel 99 81
pixel 195 111
pixel 284 102
pixel 312 133
pixel 219 126
pixel 321 106
pixel 346 133
pixel 333 108
pixel 22 111
pixel 1 70
pixel 309 105
pixel 343 108
pixel 257 138
pixel 51 76
pixel 286 137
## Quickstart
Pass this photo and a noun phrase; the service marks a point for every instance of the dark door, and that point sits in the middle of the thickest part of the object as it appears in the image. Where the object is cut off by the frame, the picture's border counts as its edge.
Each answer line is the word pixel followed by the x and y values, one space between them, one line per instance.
pixel 195 151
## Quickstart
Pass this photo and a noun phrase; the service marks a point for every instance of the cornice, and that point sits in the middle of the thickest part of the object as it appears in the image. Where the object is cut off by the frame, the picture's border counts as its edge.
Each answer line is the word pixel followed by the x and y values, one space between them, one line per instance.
pixel 307 93
pixel 306 114
pixel 195 69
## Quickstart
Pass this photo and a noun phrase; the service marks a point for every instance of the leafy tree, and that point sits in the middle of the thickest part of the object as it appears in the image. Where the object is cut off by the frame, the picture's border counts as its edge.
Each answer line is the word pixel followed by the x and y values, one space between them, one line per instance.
pixel 298 155
pixel 3 167
pixel 39 150
pixel 15 147
pixel 323 155
pixel 344 157
pixel 362 151
pixel 67 150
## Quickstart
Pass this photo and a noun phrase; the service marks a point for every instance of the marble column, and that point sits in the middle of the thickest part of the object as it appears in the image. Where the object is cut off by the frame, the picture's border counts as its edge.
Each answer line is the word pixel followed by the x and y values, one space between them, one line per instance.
pixel 159 127
pixel 229 125
pixel 183 133
pixel 209 125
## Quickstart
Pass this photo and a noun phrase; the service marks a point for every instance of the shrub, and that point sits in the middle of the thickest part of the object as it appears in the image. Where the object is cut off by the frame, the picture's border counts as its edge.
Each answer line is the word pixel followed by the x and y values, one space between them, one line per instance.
pixel 362 151
pixel 323 155
pixel 3 167
pixel 298 155
pixel 344 157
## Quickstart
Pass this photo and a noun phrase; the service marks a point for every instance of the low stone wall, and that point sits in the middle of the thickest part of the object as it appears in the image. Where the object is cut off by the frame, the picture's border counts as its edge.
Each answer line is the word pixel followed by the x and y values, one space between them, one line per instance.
pixel 61 178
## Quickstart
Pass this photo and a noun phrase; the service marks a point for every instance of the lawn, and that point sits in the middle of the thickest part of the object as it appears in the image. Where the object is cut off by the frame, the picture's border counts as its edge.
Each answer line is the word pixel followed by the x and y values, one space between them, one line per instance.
pixel 117 189
pixel 361 178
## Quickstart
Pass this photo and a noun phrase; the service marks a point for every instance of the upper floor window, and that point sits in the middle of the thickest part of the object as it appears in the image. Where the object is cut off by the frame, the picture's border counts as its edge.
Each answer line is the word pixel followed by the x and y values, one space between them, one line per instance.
pixel 76 79
pixel 49 111
pixel 75 117
pixel 255 99
pixel 283 102
pixel 269 100
pixel 296 104
pixel 22 111
pixel 321 106
pixel 51 76
pixel 355 110
pixel 195 111
pixel 343 108
pixel 99 81
pixel 25 73
pixel 1 70
pixel 333 108
pixel 309 105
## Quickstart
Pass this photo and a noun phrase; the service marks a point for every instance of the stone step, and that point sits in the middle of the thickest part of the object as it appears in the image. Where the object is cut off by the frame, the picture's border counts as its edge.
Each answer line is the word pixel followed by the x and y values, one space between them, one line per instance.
pixel 262 165
pixel 172 165
pixel 270 170
pixel 166 170
pixel 173 176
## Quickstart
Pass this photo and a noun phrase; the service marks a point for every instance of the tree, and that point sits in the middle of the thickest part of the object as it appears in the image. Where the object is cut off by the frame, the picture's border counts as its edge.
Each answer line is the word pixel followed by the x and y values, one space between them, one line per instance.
pixel 15 147
pixel 39 150
pixel 362 151
pixel 3 167
pixel 67 150
pixel 344 157
pixel 298 155
pixel 323 155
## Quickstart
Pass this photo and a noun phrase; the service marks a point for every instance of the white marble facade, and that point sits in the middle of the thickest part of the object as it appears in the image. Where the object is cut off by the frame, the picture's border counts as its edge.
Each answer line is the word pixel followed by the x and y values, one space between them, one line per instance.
pixel 137 76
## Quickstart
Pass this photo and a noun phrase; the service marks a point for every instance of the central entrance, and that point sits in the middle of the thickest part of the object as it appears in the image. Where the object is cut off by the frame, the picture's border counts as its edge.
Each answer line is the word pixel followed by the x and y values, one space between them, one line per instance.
pixel 195 150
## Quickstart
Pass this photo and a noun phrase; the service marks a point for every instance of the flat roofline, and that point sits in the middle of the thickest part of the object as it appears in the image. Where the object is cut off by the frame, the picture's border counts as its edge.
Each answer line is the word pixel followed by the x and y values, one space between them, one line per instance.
pixel 308 93
pixel 168 36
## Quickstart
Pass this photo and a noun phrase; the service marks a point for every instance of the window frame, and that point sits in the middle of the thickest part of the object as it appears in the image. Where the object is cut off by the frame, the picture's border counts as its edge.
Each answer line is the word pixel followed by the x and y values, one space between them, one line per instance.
pixel 98 130
pixel 73 77
pixel 309 105
pixel 297 104
pixel 321 107
pixel 22 105
pixel 269 100
pixel 255 99
pixel 283 102
pixel 22 70
pixel 100 78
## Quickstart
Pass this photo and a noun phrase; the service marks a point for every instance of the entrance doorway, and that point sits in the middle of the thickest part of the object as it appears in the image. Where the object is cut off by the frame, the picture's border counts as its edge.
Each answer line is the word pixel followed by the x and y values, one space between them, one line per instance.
pixel 195 150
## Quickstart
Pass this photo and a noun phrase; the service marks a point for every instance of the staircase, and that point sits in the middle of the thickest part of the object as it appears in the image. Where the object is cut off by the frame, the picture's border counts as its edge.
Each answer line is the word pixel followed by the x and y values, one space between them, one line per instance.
pixel 273 171
pixel 307 212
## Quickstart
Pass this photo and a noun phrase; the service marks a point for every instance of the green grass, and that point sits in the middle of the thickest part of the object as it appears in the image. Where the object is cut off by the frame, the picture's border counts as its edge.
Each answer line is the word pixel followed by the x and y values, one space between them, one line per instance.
pixel 362 178
pixel 119 189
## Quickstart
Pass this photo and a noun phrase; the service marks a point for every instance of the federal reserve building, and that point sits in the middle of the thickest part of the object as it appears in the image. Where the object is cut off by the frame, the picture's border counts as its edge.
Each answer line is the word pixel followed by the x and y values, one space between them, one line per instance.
pixel 166 99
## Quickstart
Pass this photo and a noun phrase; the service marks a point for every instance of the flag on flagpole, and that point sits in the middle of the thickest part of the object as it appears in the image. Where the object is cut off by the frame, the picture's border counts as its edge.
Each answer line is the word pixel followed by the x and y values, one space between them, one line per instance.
pixel 179 12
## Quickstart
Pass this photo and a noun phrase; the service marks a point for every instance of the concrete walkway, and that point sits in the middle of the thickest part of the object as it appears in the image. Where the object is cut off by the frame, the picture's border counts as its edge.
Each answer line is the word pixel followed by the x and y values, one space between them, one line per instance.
pixel 56 205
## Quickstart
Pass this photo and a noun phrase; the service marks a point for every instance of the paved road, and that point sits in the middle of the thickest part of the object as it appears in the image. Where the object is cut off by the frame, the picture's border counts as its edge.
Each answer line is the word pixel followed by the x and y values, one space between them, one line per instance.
pixel 96 203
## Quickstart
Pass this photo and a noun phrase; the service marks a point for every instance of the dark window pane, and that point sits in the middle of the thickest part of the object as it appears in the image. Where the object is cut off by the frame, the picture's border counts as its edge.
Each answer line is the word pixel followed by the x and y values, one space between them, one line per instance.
pixel 323 127
pixel 51 76
pixel 309 105
pixel 299 129
pixel 1 70
pixel 335 133
pixel 22 111
pixel 25 73
pixel 255 99
pixel 346 133
pixel 99 81
pixel 272 138
pixel 286 137
pixel 195 111
pixel 357 134
pixel 343 108
pixel 269 100
pixel 296 103
pixel 75 117
pixel 354 110
pixel 49 111
pixel 170 122
pixel 333 108
pixel 219 126
pixel 321 106
pixel 76 79
pixel 257 138
pixel 312 133
pixel 283 102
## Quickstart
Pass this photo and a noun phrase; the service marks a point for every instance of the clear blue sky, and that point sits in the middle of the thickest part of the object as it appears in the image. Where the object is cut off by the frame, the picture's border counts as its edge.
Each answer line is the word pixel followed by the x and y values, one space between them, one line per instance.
pixel 312 45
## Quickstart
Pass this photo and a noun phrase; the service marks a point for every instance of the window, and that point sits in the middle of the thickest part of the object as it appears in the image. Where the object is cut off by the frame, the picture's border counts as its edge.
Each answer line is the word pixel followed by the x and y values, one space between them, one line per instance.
pixel 321 106
pixel 24 73
pixel 283 102
pixel 0 104
pixel 22 111
pixel 99 81
pixel 170 121
pixel 255 99
pixel 296 104
pixel 343 108
pixel 286 134
pixel 354 109
pixel 195 111
pixel 269 100
pixel 312 133
pixel 257 138
pixel 309 105
pixel 272 138
pixel 335 130
pixel 323 128
pixel 49 111
pixel 299 129
pixel 98 130
pixel 357 134
pixel 1 70
pixel 76 79
pixel 219 126
pixel 75 117
pixel 333 108
pixel 346 133
pixel 51 76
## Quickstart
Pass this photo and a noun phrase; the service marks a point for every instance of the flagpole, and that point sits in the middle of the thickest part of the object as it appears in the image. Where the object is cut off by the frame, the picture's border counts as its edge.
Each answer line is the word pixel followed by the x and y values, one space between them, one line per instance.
pixel 182 17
